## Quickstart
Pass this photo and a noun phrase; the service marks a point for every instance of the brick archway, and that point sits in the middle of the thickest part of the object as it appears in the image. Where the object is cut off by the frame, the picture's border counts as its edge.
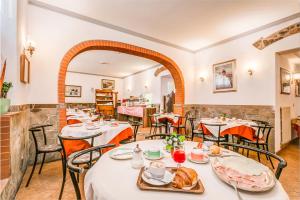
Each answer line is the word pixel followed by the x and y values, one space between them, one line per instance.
pixel 119 47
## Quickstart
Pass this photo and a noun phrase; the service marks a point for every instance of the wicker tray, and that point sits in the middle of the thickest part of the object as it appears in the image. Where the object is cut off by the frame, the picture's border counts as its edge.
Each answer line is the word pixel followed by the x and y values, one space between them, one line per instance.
pixel 198 189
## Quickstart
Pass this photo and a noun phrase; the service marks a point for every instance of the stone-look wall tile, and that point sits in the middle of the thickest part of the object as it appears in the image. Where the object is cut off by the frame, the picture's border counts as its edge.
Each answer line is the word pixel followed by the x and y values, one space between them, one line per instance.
pixel 19 153
pixel 251 112
pixel 44 115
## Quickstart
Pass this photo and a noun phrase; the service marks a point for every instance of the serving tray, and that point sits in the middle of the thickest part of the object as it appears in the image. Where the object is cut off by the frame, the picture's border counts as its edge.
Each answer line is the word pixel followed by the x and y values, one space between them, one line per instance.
pixel 198 189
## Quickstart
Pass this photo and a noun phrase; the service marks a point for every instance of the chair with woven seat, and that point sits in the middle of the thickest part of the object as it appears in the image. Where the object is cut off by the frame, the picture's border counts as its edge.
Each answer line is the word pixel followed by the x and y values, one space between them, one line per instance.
pixel 80 160
pixel 195 131
pixel 156 136
pixel 281 162
pixel 210 137
pixel 43 148
pixel 261 139
pixel 135 125
pixel 74 168
pixel 155 124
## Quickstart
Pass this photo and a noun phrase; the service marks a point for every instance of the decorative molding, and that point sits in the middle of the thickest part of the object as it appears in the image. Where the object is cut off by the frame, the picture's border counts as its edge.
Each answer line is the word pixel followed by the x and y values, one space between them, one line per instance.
pixel 104 24
pixel 154 66
pixel 283 33
pixel 159 70
pixel 146 37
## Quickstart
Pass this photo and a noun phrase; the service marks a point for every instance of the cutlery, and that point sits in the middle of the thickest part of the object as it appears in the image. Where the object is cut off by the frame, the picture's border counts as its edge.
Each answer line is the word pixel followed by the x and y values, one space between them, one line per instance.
pixel 234 184
pixel 148 176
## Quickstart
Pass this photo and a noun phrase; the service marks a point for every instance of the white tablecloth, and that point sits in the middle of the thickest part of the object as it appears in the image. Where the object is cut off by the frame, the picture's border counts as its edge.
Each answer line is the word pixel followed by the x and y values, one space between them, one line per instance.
pixel 173 117
pixel 229 124
pixel 111 179
pixel 109 132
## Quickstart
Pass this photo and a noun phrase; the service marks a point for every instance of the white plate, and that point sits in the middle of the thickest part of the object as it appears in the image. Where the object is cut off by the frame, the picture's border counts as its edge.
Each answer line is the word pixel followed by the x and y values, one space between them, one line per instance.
pixel 248 167
pixel 92 127
pixel 121 153
pixel 198 162
pixel 168 178
pixel 148 158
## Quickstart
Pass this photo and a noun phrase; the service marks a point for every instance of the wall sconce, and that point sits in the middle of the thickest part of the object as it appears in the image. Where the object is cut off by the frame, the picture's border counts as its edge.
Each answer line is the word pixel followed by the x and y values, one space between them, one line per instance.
pixel 146 86
pixel 202 78
pixel 30 47
pixel 250 72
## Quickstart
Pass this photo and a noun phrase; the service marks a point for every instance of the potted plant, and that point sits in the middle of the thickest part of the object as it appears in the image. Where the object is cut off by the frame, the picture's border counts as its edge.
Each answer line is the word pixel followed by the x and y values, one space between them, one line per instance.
pixel 174 140
pixel 4 102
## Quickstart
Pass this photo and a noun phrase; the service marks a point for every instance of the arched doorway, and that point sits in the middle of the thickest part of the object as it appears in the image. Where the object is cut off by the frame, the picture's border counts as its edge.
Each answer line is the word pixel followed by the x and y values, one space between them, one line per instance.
pixel 119 47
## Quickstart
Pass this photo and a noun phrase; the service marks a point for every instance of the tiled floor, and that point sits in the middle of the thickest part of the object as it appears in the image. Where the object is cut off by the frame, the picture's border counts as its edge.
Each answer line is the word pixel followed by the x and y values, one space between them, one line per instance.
pixel 47 185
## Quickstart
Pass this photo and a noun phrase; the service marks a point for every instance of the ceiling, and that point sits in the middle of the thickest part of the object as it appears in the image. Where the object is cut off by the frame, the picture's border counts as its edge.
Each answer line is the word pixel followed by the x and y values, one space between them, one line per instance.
pixel 188 24
pixel 109 63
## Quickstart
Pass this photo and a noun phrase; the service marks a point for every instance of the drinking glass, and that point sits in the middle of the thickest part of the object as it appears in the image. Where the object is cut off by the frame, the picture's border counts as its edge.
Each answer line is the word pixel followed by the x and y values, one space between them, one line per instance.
pixel 178 155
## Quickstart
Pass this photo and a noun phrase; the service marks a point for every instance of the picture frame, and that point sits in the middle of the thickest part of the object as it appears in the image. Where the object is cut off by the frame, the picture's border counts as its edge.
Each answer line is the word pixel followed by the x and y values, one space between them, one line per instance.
pixel 72 91
pixel 285 81
pixel 24 69
pixel 297 88
pixel 108 84
pixel 224 76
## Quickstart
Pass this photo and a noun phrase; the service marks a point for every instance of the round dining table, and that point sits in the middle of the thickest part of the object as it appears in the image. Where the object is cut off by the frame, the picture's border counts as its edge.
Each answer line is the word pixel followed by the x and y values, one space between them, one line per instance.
pixel 111 179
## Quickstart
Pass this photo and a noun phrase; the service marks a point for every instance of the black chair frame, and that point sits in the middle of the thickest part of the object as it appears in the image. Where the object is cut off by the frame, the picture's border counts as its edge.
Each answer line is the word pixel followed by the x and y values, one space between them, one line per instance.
pixel 217 139
pixel 34 130
pixel 281 165
pixel 65 158
pixel 154 123
pixel 136 125
pixel 195 131
pixel 76 169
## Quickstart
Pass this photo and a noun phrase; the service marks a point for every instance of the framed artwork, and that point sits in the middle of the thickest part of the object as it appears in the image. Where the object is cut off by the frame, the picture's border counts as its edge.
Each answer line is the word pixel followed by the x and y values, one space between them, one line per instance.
pixel 24 69
pixel 72 91
pixel 108 84
pixel 285 81
pixel 224 76
pixel 297 88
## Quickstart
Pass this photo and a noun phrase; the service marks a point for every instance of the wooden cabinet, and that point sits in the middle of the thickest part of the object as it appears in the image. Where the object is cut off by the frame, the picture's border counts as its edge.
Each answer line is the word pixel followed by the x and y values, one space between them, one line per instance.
pixel 106 101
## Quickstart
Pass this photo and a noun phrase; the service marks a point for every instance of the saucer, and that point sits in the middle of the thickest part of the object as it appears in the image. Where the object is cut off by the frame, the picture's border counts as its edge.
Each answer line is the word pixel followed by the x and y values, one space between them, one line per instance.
pixel 121 153
pixel 205 160
pixel 149 158
pixel 168 178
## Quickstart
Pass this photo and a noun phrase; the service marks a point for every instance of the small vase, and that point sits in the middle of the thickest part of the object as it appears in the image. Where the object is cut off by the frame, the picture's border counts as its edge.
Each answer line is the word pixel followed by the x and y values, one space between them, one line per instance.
pixel 4 105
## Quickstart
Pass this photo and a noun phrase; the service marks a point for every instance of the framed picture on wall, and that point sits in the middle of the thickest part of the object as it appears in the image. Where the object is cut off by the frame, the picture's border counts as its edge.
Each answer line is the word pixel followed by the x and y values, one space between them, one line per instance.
pixel 24 69
pixel 224 76
pixel 72 91
pixel 297 88
pixel 108 84
pixel 285 81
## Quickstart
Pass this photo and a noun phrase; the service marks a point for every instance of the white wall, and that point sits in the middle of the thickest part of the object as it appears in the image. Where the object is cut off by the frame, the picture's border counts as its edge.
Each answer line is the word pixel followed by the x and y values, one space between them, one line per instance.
pixel 54 34
pixel 258 89
pixel 88 85
pixel 135 85
pixel 13 33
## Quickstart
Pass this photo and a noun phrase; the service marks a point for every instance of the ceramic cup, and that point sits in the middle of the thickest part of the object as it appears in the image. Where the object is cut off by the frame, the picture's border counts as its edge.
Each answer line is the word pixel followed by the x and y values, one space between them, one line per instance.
pixel 157 169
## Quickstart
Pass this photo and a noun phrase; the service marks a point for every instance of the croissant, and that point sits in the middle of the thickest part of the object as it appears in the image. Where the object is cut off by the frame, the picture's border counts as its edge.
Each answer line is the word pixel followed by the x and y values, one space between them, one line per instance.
pixel 184 177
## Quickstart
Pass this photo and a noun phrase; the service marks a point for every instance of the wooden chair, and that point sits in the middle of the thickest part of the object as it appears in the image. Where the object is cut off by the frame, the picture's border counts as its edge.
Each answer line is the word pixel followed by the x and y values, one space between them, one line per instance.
pixel 74 168
pixel 281 165
pixel 43 148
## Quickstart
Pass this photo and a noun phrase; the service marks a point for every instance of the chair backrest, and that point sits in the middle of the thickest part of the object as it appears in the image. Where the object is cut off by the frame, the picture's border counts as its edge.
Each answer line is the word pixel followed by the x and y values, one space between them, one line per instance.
pixel 135 125
pixel 62 140
pixel 74 169
pixel 262 131
pixel 36 129
pixel 281 165
pixel 153 118
pixel 156 136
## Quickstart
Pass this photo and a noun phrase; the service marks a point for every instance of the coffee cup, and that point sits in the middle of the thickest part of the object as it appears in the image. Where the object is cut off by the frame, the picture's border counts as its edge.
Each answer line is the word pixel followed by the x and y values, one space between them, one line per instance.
pixel 157 169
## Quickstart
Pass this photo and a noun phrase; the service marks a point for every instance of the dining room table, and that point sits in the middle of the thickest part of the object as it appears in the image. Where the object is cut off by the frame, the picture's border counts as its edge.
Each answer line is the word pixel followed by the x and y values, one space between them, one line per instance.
pixel 167 118
pixel 111 179
pixel 112 132
pixel 236 127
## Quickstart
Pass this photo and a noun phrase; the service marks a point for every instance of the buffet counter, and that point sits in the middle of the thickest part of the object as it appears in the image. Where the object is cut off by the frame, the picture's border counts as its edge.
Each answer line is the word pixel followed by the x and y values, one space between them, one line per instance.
pixel 141 112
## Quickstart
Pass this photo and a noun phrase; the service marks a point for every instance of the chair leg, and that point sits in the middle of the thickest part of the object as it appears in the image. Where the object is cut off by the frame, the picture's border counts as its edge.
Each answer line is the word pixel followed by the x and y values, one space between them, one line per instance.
pixel 33 168
pixel 267 157
pixel 77 175
pixel 75 184
pixel 151 130
pixel 155 130
pixel 258 154
pixel 243 148
pixel 267 147
pixel 42 163
pixel 64 168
